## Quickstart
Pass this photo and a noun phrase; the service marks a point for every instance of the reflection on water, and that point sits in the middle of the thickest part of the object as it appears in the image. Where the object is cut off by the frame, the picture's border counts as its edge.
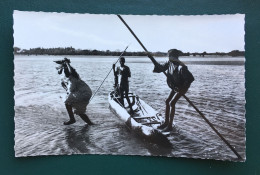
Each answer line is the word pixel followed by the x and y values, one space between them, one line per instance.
pixel 77 138
pixel 218 91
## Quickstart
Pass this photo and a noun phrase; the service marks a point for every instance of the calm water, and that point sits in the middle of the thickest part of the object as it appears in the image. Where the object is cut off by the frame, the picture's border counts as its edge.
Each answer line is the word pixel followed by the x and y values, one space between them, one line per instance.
pixel 218 91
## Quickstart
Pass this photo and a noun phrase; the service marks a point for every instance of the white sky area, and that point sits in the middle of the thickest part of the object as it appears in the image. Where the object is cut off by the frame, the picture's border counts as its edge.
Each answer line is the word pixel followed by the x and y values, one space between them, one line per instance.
pixel 210 33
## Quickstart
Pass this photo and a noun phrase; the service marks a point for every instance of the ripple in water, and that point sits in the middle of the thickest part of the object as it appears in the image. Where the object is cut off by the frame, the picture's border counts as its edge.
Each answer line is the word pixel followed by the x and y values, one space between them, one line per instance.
pixel 218 91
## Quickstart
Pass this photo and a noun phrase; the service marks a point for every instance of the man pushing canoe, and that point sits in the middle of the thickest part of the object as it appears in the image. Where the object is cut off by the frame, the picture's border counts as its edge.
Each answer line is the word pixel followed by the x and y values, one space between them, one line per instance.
pixel 78 92
pixel 179 80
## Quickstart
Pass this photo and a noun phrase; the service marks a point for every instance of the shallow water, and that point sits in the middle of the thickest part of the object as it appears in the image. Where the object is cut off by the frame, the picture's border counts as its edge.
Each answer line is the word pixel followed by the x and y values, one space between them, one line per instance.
pixel 218 91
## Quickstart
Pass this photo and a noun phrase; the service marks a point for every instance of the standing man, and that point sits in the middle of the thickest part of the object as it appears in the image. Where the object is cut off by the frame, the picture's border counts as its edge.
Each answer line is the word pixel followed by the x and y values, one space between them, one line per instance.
pixel 179 80
pixel 122 73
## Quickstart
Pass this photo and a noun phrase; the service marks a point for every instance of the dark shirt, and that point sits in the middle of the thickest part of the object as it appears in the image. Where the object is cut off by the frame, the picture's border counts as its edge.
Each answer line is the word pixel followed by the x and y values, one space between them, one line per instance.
pixel 123 73
pixel 179 77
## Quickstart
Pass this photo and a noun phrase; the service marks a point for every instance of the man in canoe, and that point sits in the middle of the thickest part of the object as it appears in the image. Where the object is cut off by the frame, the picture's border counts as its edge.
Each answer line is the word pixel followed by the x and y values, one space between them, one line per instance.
pixel 122 73
pixel 78 92
pixel 179 80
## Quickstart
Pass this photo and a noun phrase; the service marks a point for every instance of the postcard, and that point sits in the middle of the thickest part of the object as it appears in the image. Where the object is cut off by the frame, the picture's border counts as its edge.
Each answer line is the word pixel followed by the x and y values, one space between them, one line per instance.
pixel 145 85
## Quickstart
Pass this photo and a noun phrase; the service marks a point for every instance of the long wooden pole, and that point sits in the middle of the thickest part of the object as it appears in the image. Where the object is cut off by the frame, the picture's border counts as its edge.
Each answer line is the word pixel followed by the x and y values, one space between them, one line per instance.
pixel 201 114
pixel 152 58
pixel 211 125
pixel 107 74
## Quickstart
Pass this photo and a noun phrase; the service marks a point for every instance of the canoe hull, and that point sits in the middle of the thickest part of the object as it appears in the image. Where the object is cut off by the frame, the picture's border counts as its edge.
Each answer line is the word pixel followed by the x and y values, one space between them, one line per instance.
pixel 145 120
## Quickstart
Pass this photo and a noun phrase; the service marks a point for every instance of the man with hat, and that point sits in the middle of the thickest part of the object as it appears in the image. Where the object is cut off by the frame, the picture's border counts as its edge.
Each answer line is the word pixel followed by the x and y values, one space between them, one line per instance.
pixel 179 80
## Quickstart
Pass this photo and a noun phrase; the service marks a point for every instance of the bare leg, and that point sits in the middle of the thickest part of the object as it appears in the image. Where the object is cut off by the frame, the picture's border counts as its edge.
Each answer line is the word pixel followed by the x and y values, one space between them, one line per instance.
pixel 122 97
pixel 167 110
pixel 173 103
pixel 71 115
pixel 129 103
pixel 86 119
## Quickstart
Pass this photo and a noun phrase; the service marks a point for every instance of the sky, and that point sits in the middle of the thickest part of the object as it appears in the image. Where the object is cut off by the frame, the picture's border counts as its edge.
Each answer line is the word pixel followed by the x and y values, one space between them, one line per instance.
pixel 210 33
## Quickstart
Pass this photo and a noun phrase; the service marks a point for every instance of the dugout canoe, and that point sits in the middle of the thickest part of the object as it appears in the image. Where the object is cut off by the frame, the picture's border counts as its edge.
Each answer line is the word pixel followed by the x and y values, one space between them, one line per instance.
pixel 143 122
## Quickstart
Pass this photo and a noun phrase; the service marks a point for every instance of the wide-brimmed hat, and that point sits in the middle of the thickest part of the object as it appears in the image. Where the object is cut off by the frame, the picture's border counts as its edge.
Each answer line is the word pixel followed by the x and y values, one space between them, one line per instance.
pixel 174 56
pixel 62 61
pixel 66 60
pixel 174 53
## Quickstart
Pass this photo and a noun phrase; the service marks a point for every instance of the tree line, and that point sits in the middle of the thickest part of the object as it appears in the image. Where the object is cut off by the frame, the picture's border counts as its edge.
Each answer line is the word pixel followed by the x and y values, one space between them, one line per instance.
pixel 73 51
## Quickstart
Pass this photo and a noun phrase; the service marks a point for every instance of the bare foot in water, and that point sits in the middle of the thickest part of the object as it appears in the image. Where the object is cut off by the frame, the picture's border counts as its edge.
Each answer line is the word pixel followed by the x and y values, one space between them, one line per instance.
pixel 85 118
pixel 162 126
pixel 168 129
pixel 69 122
pixel 91 123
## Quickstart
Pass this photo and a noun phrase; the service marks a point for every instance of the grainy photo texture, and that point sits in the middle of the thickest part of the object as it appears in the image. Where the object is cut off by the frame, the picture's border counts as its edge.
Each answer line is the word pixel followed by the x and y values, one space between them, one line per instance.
pixel 129 85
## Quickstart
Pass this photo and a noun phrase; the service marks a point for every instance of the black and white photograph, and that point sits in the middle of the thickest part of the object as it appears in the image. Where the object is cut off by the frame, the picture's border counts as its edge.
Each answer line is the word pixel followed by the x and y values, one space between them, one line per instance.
pixel 145 85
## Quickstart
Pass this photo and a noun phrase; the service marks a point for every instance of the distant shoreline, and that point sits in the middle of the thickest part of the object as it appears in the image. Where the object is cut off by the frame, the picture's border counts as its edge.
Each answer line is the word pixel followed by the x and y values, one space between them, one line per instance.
pixel 85 52
pixel 191 56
